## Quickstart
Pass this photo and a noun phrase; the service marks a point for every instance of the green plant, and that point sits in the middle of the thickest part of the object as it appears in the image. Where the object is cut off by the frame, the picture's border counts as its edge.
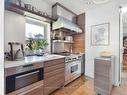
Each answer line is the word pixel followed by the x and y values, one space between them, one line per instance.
pixel 40 42
pixel 29 43
pixel 36 43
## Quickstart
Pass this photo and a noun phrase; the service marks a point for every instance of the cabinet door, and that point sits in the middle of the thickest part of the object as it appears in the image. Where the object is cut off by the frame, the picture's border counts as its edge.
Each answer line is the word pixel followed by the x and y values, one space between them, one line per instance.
pixel 53 83
pixel 80 19
pixel 54 75
pixel 53 62
pixel 79 39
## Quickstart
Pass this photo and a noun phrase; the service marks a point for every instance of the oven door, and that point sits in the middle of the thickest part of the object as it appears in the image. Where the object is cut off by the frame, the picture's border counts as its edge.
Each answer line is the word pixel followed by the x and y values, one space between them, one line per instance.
pixel 75 67
pixel 21 80
pixel 67 71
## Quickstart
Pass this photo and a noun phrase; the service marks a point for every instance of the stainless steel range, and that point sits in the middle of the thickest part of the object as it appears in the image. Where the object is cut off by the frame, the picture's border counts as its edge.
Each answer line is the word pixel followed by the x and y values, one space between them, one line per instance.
pixel 72 66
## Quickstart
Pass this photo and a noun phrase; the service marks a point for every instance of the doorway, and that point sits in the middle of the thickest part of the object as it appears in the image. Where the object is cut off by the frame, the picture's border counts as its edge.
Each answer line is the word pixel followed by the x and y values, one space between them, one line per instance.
pixel 123 46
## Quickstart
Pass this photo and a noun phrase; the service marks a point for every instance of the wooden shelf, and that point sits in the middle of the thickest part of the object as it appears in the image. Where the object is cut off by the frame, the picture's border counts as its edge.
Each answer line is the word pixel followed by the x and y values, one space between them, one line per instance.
pixel 21 10
pixel 62 41
pixel 67 31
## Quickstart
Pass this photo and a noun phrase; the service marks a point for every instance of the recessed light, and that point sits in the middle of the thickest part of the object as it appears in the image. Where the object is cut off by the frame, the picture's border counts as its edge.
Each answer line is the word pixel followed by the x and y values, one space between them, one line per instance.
pixel 100 1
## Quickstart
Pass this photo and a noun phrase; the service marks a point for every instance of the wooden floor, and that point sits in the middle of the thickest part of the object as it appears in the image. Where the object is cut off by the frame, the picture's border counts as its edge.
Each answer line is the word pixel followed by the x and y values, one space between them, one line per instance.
pixel 79 87
pixel 122 90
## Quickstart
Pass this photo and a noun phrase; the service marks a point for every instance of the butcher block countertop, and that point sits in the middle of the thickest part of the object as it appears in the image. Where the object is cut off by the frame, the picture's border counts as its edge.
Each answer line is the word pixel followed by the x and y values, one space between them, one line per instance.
pixel 31 60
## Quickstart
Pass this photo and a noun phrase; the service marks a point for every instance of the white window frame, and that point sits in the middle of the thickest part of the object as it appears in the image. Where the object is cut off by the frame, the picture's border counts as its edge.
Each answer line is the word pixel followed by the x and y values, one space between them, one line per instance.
pixel 46 31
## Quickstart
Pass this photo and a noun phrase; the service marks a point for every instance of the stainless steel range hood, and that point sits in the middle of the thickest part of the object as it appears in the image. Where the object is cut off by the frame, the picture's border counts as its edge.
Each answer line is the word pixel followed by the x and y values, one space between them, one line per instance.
pixel 63 23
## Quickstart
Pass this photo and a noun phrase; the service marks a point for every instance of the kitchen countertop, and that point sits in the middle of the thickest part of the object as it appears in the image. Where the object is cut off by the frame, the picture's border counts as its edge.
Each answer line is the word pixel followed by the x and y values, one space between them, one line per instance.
pixel 31 60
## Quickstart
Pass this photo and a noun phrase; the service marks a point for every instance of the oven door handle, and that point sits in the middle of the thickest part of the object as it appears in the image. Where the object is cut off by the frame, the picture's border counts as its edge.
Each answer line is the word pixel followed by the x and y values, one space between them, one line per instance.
pixel 27 74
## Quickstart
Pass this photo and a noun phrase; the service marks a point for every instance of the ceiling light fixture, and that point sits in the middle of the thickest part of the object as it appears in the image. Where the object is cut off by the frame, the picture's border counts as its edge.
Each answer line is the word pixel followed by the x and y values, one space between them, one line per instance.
pixel 89 3
pixel 100 1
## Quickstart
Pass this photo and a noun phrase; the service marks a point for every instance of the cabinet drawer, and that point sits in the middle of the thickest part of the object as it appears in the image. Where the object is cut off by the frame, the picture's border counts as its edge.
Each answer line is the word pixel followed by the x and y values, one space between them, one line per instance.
pixel 102 77
pixel 99 91
pixel 53 62
pixel 102 84
pixel 34 89
pixel 48 88
pixel 55 72
pixel 54 78
pixel 102 67
pixel 52 68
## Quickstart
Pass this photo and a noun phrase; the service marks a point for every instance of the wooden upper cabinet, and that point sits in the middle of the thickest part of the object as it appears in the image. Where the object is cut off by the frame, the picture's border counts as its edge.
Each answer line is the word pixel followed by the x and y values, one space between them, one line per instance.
pixel 79 39
pixel 80 20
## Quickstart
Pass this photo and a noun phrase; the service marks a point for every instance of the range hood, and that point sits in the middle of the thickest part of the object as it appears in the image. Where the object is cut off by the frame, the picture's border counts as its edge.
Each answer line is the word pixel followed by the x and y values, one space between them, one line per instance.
pixel 63 23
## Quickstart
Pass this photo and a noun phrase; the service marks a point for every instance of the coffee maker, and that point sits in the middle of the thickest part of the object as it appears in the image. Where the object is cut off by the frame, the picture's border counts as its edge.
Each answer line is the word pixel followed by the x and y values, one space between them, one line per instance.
pixel 16 51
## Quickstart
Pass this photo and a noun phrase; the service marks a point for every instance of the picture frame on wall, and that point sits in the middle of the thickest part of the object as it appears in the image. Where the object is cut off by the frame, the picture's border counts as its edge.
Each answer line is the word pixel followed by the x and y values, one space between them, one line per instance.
pixel 100 34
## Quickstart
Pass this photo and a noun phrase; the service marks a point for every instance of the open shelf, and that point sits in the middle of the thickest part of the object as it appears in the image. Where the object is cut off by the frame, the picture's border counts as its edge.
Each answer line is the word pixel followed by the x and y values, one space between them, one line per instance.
pixel 21 10
pixel 67 31
pixel 62 41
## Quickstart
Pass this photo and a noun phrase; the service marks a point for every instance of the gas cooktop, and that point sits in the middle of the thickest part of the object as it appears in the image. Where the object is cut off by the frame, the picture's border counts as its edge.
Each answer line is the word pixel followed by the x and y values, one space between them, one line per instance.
pixel 70 56
pixel 67 53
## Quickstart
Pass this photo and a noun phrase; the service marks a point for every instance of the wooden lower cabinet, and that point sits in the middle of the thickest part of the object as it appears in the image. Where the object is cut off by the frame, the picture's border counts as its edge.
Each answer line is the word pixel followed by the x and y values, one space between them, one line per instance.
pixel 54 76
pixel 53 85
pixel 34 89
pixel 103 77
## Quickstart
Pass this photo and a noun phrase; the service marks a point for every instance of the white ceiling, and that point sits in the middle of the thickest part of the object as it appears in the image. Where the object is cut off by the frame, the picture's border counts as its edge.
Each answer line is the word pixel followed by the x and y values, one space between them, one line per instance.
pixel 77 6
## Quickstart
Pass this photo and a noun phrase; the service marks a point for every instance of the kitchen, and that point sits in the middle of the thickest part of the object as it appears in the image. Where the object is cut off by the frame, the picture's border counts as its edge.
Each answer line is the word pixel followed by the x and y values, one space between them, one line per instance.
pixel 43 52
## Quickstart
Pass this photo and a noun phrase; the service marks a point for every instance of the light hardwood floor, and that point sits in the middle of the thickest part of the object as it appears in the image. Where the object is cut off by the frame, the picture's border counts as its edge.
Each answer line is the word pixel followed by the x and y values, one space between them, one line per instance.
pixel 122 90
pixel 77 87
pixel 81 87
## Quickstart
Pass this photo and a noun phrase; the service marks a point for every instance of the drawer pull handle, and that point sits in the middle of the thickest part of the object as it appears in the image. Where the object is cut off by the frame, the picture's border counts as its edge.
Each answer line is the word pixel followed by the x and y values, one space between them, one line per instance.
pixel 27 74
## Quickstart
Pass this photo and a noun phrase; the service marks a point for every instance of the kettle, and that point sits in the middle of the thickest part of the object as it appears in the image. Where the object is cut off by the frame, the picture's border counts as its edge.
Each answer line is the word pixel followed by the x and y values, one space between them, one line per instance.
pixel 16 51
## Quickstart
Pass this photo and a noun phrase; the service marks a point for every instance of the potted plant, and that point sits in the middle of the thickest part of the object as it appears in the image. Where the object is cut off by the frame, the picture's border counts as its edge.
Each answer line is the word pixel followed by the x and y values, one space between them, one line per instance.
pixel 36 45
pixel 39 44
pixel 30 49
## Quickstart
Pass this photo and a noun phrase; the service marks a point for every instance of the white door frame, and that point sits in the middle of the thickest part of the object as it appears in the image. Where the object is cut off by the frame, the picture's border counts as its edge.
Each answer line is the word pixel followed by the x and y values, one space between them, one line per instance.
pixel 2 47
pixel 121 50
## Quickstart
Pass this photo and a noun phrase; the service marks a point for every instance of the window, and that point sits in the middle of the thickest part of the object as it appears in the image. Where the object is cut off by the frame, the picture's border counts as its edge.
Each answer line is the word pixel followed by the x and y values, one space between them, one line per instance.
pixel 32 30
pixel 35 36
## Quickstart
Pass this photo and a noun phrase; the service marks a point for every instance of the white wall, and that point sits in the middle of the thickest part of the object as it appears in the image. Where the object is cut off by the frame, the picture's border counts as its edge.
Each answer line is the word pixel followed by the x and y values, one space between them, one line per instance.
pixel 1 47
pixel 97 15
pixel 15 23
pixel 14 28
